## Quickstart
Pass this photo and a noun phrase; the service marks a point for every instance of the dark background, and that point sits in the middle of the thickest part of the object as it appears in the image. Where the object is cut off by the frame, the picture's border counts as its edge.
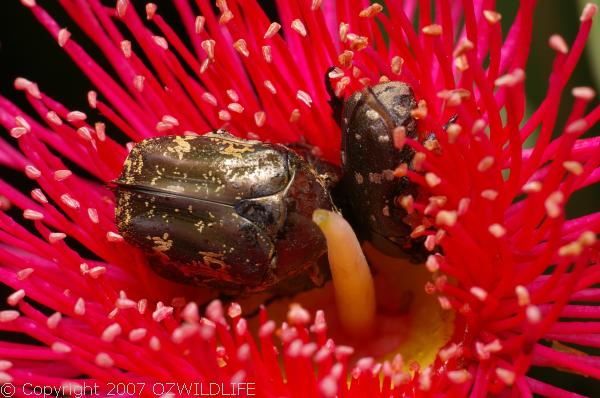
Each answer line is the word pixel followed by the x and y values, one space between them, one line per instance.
pixel 27 50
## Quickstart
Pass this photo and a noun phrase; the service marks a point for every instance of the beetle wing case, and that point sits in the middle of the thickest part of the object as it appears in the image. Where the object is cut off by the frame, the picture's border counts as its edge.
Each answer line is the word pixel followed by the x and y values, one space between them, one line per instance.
pixel 369 158
pixel 221 211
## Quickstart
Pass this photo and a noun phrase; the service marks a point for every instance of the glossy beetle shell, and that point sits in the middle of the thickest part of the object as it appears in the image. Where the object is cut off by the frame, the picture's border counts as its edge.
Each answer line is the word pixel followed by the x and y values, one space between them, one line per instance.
pixel 368 160
pixel 221 211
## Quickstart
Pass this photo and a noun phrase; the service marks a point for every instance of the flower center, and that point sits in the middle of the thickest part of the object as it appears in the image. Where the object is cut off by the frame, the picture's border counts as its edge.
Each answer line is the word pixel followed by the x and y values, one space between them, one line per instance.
pixel 411 322
pixel 381 309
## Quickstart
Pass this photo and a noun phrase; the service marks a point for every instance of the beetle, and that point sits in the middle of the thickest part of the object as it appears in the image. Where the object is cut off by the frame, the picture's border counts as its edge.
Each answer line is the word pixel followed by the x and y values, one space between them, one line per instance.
pixel 236 215
pixel 369 158
pixel 221 211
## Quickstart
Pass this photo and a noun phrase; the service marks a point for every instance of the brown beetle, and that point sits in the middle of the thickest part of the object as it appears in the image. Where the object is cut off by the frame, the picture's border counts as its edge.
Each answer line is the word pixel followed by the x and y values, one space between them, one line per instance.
pixel 369 158
pixel 225 212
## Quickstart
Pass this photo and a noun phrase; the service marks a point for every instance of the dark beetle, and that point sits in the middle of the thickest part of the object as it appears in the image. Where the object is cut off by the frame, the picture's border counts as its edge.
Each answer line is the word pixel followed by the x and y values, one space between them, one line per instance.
pixel 220 211
pixel 236 215
pixel 369 158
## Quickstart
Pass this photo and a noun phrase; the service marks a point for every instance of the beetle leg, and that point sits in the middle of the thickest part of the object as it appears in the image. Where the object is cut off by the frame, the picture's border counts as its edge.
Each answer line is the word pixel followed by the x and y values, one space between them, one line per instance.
pixel 430 142
pixel 329 173
pixel 452 119
pixel 335 102
pixel 319 272
pixel 315 277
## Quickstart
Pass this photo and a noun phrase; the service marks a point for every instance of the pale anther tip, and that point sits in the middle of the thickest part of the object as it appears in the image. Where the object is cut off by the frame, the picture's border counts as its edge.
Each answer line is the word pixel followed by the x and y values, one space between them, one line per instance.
pixel 577 127
pixel 371 10
pixel 150 10
pixel 432 30
pixel 492 16
pixel 63 37
pixel 121 7
pixel 584 93
pixel 558 44
pixel 589 11
pixel 299 27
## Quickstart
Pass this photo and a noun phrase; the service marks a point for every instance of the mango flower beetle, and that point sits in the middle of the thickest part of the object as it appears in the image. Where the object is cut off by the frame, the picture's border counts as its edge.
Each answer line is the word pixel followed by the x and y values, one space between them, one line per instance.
pixel 224 212
pixel 369 158
pixel 235 215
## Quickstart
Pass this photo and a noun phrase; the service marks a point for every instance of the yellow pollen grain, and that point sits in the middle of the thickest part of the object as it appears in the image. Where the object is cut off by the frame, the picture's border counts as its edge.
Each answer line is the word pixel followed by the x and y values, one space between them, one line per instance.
pixel 497 230
pixel 507 376
pixel 371 11
pixel 343 31
pixel 357 43
pixel 438 201
pixel 341 85
pixel 299 27
pixel 241 47
pixel 199 24
pixel 485 164
pixel 459 376
pixel 209 47
pixel 532 187
pixel 553 204
pixel 446 218
pixel 181 146
pixel 571 249
pixel 295 115
pixel 577 127
pixel 464 46
pixel 432 180
pixel 396 64
pixel 63 37
pixel 489 194
pixel 162 244
pixel 345 58
pixel 225 17
pixel 421 111
pixel 461 63
pixel 272 30
pixel 336 73
pixel 491 16
pixel 432 263
pixel 453 132
pixel 573 167
pixel 587 238
pixel 522 295
pixel 558 44
pixel 407 203
pixel 432 30
pixel 583 93
pixel 479 293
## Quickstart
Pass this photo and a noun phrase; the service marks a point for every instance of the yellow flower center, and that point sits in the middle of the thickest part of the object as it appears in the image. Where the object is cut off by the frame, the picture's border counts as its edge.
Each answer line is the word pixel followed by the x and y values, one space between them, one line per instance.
pixel 381 309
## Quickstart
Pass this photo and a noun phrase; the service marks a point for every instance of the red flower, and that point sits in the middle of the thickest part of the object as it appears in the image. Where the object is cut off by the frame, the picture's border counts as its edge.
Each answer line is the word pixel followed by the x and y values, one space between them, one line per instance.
pixel 515 278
